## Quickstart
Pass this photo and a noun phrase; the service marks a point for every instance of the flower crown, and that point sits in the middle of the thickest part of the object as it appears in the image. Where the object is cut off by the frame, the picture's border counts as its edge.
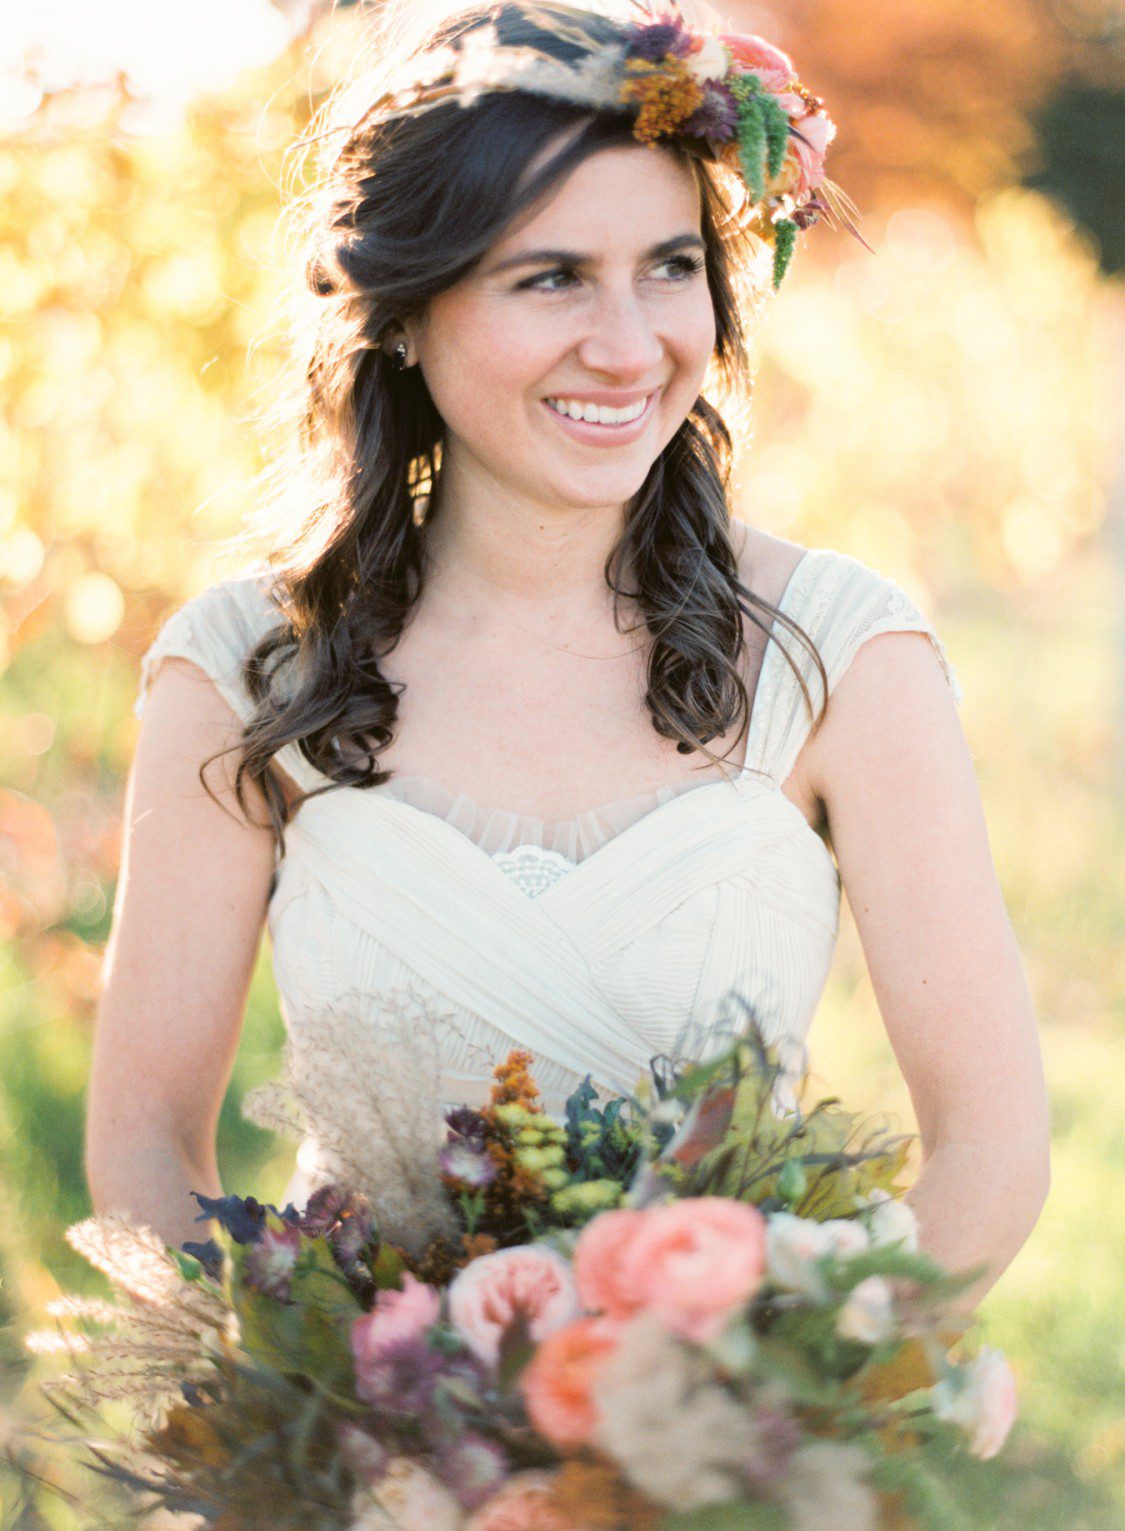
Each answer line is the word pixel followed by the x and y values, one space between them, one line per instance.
pixel 734 96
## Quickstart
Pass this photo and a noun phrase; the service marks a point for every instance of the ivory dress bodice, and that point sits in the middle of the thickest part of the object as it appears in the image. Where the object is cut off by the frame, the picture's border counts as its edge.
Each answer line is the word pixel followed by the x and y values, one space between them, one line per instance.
pixel 593 943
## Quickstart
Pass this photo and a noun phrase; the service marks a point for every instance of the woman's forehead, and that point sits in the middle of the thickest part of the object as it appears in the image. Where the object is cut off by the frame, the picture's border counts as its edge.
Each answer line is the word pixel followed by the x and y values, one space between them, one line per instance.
pixel 639 193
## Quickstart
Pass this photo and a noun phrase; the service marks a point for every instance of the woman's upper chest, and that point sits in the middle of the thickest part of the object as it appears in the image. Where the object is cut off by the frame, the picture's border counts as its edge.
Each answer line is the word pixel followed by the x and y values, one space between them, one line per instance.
pixel 545 725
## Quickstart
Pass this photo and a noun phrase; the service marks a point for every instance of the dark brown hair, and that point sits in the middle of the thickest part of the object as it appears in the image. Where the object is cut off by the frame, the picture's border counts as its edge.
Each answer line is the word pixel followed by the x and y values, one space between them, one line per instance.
pixel 410 206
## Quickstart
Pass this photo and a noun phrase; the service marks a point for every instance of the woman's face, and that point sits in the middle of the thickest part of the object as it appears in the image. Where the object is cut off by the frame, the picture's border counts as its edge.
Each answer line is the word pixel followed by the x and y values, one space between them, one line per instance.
pixel 623 319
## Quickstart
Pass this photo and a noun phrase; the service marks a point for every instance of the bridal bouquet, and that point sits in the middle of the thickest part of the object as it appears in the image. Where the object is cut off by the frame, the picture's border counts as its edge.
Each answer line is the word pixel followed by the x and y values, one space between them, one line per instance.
pixel 684 1311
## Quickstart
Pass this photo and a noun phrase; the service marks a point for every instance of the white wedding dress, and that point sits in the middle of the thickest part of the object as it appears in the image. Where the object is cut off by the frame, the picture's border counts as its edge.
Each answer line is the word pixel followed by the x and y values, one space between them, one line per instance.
pixel 592 943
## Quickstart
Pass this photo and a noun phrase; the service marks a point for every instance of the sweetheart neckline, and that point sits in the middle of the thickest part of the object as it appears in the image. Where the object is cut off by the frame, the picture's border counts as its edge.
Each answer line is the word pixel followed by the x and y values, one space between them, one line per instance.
pixel 602 853
pixel 745 772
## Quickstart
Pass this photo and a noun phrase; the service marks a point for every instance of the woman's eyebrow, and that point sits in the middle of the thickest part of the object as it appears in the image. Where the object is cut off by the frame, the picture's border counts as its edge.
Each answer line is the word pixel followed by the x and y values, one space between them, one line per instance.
pixel 576 258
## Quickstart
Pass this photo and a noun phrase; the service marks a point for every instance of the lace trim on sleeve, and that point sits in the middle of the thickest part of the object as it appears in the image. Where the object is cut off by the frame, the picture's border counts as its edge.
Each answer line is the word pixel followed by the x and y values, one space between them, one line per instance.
pixel 215 630
pixel 845 604
pixel 899 613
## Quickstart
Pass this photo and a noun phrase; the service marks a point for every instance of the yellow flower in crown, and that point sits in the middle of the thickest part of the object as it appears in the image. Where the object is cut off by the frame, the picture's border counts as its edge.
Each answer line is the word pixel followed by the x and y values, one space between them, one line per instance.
pixel 667 95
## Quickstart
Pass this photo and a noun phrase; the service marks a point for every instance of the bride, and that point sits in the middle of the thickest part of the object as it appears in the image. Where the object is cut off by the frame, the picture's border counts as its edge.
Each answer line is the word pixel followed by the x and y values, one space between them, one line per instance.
pixel 445 738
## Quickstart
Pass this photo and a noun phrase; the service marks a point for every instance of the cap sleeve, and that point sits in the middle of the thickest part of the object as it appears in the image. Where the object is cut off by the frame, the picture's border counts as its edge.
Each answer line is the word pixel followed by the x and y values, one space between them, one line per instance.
pixel 842 603
pixel 216 629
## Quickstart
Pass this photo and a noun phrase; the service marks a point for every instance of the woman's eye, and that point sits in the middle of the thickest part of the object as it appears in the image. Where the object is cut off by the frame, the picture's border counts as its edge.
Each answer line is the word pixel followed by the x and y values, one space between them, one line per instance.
pixel 685 266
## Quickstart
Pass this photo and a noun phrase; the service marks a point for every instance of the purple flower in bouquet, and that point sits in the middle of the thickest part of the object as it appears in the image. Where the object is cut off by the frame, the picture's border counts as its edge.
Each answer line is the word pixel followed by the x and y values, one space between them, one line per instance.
pixel 473 1467
pixel 243 1217
pixel 661 38
pixel 774 1438
pixel 395 1367
pixel 464 1122
pixel 716 117
pixel 326 1206
pixel 464 1161
pixel 271 1259
pixel 349 1237
pixel 399 1376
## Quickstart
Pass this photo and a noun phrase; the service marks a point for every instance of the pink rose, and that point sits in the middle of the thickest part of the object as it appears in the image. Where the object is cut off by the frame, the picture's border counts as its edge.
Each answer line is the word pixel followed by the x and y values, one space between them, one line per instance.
pixel 773 68
pixel 531 1285
pixel 982 1401
pixel 604 1284
pixel 690 1263
pixel 525 1503
pixel 397 1316
pixel 803 169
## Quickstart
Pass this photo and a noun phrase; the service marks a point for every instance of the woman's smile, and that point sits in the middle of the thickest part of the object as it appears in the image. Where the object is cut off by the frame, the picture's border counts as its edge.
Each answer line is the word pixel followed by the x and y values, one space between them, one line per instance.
pixel 590 420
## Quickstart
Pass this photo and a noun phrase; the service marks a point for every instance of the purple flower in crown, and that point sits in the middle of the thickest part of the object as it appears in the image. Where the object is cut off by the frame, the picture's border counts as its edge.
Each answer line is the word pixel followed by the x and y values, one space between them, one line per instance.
pixel 716 117
pixel 808 213
pixel 663 37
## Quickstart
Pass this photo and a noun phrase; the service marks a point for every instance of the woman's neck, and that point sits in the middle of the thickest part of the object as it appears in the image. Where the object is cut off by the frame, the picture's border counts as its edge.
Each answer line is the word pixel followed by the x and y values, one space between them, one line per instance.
pixel 516 561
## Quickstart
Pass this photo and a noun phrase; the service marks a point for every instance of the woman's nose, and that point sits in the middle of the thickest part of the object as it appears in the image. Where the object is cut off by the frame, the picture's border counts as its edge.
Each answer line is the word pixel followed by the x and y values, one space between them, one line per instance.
pixel 621 339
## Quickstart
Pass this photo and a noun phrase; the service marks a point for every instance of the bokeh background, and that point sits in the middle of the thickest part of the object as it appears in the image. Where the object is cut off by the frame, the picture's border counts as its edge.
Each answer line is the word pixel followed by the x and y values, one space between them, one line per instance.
pixel 946 406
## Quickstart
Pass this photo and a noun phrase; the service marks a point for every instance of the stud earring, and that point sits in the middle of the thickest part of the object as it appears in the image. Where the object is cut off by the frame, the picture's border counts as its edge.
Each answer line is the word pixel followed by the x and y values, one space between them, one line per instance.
pixel 398 357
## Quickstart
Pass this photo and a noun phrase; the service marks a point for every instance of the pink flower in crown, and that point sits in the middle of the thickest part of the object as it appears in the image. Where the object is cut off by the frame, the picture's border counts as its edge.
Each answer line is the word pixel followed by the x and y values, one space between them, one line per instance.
pixel 773 68
pixel 803 170
pixel 530 1285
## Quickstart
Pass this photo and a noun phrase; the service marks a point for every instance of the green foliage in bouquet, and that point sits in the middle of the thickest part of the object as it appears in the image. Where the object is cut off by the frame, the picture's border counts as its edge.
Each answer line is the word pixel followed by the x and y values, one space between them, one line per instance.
pixel 736 1140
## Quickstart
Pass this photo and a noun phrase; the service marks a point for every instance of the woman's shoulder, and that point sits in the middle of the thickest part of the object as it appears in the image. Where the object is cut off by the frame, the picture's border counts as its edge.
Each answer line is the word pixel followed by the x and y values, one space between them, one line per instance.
pixel 832 585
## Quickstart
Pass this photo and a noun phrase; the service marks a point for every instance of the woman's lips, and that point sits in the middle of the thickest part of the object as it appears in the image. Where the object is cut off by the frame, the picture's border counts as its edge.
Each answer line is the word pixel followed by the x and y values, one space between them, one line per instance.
pixel 604 435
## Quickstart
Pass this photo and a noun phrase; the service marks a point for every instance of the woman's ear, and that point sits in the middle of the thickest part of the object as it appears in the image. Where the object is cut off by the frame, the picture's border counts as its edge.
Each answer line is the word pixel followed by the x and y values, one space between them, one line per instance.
pixel 397 334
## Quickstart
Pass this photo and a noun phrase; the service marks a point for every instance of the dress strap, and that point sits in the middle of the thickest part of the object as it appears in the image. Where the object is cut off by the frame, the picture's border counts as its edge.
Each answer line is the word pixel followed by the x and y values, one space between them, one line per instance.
pixel 840 602
pixel 215 629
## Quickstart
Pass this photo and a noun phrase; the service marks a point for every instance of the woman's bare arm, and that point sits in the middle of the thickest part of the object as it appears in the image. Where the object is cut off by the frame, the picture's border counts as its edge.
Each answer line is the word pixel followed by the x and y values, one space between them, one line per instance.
pixel 187 921
pixel 894 771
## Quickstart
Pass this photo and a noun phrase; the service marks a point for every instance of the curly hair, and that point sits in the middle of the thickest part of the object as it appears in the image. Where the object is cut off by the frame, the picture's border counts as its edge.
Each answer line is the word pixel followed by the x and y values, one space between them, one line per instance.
pixel 408 207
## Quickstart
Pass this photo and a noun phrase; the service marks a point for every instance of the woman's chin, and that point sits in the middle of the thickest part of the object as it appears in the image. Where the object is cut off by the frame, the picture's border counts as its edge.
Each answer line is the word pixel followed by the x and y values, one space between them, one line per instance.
pixel 590 490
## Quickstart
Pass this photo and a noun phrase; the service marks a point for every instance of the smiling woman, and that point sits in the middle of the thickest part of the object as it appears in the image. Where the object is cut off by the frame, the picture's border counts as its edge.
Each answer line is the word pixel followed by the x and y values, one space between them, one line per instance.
pixel 460 769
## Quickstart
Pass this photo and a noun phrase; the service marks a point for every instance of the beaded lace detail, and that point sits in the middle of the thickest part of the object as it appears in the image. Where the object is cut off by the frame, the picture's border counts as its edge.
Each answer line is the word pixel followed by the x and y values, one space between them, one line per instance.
pixel 533 869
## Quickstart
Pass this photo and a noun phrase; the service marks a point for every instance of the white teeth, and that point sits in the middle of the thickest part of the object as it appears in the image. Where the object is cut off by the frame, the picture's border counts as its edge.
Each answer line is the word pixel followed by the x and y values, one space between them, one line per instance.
pixel 598 414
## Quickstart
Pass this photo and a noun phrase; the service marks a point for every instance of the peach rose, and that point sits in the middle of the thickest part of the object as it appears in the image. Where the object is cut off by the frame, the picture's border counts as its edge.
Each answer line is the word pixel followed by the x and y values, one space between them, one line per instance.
pixel 773 68
pixel 557 1384
pixel 524 1503
pixel 530 1284
pixel 690 1263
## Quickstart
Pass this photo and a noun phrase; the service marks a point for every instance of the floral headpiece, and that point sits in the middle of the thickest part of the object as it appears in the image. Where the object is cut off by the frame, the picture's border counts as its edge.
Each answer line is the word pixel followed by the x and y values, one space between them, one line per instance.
pixel 734 95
